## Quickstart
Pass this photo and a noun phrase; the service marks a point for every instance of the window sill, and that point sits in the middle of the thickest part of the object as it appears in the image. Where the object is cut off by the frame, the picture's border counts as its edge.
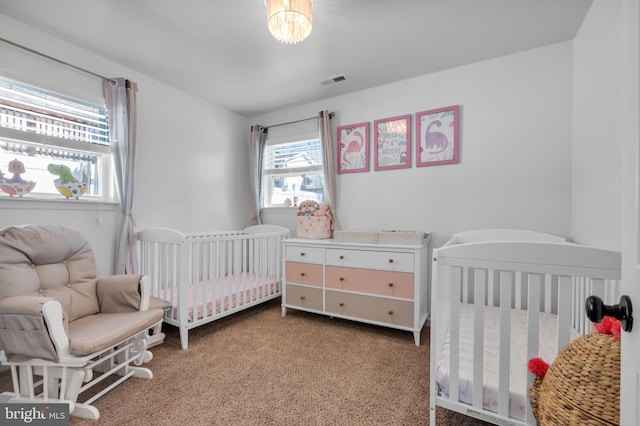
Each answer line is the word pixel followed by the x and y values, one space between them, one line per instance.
pixel 280 210
pixel 56 203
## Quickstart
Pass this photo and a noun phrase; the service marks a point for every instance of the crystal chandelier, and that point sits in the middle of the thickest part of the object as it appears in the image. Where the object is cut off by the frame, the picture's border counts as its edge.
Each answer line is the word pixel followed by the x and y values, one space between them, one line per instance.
pixel 289 20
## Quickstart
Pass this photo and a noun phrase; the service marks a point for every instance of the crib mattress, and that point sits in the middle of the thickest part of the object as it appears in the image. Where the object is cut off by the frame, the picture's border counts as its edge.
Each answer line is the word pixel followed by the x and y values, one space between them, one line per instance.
pixel 518 360
pixel 211 297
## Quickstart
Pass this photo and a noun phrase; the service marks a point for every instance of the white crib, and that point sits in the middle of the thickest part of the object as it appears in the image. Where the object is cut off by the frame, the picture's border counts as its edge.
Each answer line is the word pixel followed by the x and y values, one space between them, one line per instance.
pixel 211 275
pixel 500 298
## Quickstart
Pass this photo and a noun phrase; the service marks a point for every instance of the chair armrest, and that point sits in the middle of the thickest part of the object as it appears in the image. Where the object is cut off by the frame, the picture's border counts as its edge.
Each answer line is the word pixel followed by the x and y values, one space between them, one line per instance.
pixel 123 293
pixel 33 327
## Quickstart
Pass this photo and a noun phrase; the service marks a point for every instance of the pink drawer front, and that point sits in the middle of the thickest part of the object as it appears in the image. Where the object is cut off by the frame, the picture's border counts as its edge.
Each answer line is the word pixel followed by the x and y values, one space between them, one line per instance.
pixel 385 283
pixel 304 273
pixel 379 309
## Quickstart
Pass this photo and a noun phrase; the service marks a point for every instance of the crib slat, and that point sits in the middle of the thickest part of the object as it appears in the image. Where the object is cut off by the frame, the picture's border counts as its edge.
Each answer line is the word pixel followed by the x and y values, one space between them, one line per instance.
pixel 533 333
pixel 183 277
pixel 518 291
pixel 548 283
pixel 493 296
pixel 478 333
pixel 465 292
pixel 564 315
pixel 506 282
pixel 454 334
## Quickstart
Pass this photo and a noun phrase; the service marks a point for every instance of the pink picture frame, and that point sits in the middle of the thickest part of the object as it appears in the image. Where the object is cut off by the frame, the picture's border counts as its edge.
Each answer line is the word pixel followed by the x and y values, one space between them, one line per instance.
pixel 437 140
pixel 353 148
pixel 392 146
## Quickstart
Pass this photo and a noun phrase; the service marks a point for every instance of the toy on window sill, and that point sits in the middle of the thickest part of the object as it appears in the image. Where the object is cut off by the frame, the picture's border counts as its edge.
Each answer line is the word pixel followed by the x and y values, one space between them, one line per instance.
pixel 67 184
pixel 16 186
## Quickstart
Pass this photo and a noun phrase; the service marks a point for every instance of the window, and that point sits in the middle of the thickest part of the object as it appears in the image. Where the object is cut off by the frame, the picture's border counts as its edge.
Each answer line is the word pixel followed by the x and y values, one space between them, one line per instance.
pixel 38 128
pixel 292 172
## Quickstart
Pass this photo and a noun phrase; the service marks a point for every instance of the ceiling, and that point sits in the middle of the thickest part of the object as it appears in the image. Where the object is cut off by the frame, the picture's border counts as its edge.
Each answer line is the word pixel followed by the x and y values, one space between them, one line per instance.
pixel 222 51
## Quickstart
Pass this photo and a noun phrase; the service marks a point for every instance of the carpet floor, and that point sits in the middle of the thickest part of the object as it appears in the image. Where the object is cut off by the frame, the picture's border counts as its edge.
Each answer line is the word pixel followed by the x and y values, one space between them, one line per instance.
pixel 259 368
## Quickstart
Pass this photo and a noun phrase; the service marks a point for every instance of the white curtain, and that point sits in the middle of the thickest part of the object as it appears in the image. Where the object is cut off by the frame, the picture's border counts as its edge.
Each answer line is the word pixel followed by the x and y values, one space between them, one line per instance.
pixel 329 165
pixel 120 95
pixel 256 146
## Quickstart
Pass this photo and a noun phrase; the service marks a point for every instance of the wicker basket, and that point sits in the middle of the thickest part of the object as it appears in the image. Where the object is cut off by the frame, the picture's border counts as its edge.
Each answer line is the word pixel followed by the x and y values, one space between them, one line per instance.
pixel 582 386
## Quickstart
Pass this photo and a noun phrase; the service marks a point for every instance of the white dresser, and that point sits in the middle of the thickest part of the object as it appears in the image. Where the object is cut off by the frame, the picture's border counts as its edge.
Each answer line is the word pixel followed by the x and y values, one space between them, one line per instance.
pixel 382 284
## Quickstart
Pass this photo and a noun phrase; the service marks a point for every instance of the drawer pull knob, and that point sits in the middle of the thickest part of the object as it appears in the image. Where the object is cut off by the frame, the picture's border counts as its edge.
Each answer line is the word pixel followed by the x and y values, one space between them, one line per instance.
pixel 341 278
pixel 390 260
pixel 302 297
pixel 390 312
pixel 390 284
pixel 341 303
pixel 302 274
pixel 341 257
pixel 302 254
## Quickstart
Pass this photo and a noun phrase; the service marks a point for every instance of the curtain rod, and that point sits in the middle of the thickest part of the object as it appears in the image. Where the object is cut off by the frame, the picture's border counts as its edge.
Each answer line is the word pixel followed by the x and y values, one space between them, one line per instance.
pixel 53 59
pixel 331 115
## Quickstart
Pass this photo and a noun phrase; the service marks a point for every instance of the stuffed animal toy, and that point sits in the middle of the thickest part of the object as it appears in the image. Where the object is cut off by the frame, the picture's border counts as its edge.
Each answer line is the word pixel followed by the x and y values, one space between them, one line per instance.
pixel 308 208
pixel 323 210
pixel 580 387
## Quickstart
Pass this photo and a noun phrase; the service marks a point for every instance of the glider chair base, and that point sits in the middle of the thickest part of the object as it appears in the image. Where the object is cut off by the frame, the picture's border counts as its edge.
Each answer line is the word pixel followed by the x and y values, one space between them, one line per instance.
pixel 92 376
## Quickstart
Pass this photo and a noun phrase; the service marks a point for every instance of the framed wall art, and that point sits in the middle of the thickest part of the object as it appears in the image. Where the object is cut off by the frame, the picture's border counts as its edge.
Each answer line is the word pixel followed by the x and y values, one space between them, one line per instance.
pixel 353 148
pixel 392 147
pixel 437 137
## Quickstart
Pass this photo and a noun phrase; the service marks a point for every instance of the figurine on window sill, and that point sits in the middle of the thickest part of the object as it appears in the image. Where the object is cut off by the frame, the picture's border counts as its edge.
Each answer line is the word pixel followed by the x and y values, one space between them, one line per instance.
pixel 16 185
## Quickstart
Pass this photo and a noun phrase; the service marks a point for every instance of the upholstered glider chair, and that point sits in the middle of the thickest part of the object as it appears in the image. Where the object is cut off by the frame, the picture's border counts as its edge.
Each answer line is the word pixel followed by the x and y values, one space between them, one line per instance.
pixel 64 331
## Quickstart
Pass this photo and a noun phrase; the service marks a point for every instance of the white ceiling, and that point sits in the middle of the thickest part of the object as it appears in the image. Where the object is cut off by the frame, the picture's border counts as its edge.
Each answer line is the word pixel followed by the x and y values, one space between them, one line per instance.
pixel 222 51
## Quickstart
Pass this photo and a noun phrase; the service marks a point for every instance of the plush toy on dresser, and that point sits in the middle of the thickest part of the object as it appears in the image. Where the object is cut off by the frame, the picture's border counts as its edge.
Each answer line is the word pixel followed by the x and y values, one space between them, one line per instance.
pixel 314 220
pixel 308 208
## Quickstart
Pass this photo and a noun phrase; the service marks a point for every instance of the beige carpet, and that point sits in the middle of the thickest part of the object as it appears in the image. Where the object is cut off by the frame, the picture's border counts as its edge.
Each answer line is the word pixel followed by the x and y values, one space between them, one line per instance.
pixel 258 368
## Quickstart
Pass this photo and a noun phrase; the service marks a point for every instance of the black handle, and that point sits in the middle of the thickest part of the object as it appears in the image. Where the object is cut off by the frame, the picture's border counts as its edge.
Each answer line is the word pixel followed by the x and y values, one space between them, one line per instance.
pixel 597 310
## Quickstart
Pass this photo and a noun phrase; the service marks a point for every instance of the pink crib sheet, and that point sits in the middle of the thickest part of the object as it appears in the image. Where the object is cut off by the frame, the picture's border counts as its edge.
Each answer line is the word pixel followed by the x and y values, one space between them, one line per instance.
pixel 518 399
pixel 221 294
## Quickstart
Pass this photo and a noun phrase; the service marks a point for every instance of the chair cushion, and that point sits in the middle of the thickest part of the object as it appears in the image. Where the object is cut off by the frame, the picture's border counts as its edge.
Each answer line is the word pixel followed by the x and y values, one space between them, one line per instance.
pixel 119 293
pixel 51 261
pixel 157 303
pixel 94 333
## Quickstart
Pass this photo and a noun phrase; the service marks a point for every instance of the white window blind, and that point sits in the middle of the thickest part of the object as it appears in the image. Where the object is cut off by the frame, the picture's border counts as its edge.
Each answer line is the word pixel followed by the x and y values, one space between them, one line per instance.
pixel 26 108
pixel 39 127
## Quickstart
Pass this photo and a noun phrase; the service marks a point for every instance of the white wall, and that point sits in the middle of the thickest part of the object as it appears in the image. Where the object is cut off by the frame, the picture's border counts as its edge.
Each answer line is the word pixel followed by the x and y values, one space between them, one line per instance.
pixel 515 136
pixel 97 222
pixel 203 186
pixel 597 146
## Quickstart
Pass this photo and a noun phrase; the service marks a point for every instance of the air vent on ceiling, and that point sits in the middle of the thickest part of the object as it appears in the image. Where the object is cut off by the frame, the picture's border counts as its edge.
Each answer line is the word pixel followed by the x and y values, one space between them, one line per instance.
pixel 333 80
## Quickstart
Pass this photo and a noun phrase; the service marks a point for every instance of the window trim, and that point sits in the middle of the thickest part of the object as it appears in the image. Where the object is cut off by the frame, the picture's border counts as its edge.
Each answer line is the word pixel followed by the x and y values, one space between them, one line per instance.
pixel 102 150
pixel 292 139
